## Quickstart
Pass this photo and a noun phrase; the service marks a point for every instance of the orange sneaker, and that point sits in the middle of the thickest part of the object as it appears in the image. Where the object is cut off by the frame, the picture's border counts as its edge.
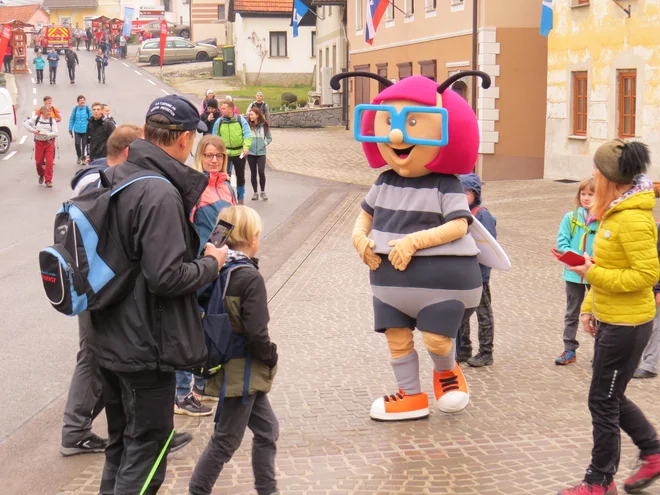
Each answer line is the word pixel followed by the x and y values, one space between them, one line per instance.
pixel 451 390
pixel 400 407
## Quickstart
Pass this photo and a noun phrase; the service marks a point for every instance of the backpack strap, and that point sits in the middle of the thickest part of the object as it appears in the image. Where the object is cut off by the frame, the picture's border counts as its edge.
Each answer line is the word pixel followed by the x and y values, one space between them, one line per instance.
pixel 476 210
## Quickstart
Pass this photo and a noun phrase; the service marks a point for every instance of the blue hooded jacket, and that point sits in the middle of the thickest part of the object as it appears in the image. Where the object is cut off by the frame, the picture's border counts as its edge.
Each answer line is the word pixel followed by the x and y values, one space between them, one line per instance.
pixel 473 182
pixel 79 118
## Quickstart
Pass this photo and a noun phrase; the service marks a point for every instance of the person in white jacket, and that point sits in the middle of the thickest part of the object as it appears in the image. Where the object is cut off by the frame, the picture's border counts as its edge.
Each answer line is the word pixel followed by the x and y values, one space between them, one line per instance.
pixel 44 128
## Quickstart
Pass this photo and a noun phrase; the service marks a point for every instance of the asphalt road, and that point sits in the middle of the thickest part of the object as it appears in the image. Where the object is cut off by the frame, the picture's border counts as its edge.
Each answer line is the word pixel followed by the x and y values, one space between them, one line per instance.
pixel 37 344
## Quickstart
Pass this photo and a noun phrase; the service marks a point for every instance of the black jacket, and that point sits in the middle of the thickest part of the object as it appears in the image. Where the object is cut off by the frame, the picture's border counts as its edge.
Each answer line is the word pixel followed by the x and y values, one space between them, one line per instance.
pixel 157 325
pixel 98 132
pixel 71 58
pixel 209 123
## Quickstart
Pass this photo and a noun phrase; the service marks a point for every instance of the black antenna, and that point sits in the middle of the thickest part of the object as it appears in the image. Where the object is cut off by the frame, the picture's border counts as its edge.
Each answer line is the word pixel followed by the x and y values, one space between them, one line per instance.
pixel 460 75
pixel 334 82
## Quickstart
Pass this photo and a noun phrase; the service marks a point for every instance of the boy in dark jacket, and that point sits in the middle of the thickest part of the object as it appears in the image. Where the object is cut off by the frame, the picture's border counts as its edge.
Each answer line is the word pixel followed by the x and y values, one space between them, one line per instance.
pixel 210 115
pixel 247 305
pixel 472 186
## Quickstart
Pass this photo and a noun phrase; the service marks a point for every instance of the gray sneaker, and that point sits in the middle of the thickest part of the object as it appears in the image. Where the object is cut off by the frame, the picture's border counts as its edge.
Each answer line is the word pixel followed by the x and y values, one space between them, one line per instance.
pixel 90 445
pixel 480 360
pixel 640 373
pixel 191 406
pixel 263 196
pixel 255 197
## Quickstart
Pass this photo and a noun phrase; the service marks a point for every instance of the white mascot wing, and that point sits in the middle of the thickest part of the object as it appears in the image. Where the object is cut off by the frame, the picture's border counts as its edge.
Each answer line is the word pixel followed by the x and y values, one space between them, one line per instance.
pixel 491 253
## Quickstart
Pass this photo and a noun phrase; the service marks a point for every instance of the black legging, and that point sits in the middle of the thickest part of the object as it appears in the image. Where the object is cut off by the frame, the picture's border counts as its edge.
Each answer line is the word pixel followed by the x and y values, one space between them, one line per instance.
pixel 257 162
pixel 81 144
pixel 88 43
pixel 8 64
pixel 72 72
pixel 78 43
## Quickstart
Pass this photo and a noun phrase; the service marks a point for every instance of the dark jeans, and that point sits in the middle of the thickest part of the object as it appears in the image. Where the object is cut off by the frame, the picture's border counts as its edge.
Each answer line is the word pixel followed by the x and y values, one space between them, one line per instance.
pixel 72 72
pixel 257 162
pixel 616 353
pixel 40 75
pixel 81 144
pixel 258 415
pixel 486 327
pixel 85 400
pixel 239 164
pixel 574 297
pixel 101 71
pixel 7 64
pixel 139 407
pixel 78 43
pixel 52 73
pixel 88 43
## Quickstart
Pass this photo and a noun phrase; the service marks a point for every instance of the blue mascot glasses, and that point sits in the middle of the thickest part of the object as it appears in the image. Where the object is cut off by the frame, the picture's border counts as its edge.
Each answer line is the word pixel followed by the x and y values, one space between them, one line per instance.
pixel 404 123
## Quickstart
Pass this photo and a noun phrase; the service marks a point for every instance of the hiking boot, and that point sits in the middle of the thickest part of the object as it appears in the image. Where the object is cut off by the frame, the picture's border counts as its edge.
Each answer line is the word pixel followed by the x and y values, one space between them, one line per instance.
pixel 451 390
pixel 647 474
pixel 49 183
pixel 41 179
pixel 585 488
pixel 264 196
pixel 640 373
pixel 566 357
pixel 255 197
pixel 480 360
pixel 201 395
pixel 190 406
pixel 90 445
pixel 400 407
pixel 463 356
pixel 179 441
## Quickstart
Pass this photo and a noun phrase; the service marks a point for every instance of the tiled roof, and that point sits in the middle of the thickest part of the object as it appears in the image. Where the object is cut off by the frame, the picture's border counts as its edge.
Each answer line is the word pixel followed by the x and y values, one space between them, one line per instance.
pixel 70 4
pixel 278 6
pixel 18 13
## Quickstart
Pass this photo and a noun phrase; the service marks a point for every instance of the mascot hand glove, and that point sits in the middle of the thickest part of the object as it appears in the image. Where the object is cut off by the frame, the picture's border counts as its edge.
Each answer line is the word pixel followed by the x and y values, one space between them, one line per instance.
pixel 362 243
pixel 405 248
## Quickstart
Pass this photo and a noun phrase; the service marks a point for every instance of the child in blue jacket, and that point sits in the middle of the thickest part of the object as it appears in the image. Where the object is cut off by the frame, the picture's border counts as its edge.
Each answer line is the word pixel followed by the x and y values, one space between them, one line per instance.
pixel 39 64
pixel 472 186
pixel 576 233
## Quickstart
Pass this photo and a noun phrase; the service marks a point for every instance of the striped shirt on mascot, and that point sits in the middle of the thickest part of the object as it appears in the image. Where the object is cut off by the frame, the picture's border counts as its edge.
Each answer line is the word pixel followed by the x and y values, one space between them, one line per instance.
pixel 412 232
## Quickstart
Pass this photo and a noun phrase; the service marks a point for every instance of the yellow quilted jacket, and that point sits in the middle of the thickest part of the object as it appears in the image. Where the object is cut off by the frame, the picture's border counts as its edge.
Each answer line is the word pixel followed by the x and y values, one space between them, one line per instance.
pixel 626 263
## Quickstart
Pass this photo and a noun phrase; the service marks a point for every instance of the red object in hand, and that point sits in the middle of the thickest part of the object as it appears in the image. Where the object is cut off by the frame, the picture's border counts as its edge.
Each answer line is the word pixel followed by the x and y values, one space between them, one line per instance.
pixel 568 257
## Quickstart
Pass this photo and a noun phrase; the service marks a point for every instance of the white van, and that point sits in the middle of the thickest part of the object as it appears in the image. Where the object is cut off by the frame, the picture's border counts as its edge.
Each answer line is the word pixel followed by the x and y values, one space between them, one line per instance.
pixel 8 129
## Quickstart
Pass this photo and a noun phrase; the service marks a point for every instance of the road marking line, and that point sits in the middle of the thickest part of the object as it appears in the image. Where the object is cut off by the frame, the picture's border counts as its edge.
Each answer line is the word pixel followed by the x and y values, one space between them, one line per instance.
pixel 34 91
pixel 164 91
pixel 34 101
pixel 33 81
pixel 151 82
pixel 22 140
pixel 138 72
pixel 113 58
pixel 9 155
pixel 125 64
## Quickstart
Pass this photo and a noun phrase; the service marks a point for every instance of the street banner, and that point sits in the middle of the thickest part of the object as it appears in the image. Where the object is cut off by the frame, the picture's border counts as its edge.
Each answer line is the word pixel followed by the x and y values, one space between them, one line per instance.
pixel 546 18
pixel 375 11
pixel 128 21
pixel 299 11
pixel 163 40
pixel 6 36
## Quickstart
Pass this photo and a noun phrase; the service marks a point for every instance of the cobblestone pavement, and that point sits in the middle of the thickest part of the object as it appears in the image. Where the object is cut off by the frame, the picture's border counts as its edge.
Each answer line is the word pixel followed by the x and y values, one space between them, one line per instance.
pixel 527 429
pixel 330 153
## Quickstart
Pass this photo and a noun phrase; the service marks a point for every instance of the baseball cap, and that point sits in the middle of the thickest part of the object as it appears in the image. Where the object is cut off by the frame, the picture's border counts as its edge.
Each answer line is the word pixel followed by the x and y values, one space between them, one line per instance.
pixel 182 114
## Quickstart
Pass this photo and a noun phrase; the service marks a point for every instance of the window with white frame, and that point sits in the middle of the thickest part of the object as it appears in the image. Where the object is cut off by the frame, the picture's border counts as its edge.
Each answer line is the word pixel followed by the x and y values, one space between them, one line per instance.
pixel 409 7
pixel 278 44
pixel 359 13
pixel 431 5
pixel 313 44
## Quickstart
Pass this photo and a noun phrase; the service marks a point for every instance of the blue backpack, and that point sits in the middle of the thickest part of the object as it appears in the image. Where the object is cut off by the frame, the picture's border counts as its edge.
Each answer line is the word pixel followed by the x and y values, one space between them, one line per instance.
pixel 85 268
pixel 222 343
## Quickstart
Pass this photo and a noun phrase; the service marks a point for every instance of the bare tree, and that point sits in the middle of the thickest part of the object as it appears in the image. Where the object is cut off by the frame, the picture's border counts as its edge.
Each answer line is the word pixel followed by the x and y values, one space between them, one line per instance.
pixel 262 51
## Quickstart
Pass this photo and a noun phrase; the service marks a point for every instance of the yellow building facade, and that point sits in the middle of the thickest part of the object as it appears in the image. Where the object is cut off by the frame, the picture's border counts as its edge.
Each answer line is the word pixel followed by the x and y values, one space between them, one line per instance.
pixel 603 82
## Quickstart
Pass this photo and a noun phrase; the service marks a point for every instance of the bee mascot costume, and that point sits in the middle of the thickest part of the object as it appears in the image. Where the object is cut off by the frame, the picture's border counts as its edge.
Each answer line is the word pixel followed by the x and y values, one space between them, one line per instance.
pixel 412 233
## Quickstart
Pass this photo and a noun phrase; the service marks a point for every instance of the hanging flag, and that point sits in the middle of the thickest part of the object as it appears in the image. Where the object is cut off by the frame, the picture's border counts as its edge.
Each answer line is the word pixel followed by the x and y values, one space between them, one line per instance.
pixel 546 18
pixel 163 40
pixel 375 11
pixel 128 21
pixel 299 11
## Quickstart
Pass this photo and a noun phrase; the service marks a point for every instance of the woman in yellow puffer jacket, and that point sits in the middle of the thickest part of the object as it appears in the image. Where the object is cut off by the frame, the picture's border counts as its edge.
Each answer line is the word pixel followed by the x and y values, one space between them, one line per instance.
pixel 618 311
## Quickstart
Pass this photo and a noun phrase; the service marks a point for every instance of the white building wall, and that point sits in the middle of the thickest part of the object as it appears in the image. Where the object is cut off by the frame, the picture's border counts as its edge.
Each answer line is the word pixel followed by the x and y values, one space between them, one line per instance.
pixel 296 68
pixel 329 34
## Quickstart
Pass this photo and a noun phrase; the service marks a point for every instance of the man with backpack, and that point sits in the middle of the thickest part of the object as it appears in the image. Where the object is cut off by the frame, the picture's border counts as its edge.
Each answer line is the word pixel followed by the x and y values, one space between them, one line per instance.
pixel 235 132
pixel 44 128
pixel 101 63
pixel 71 61
pixel 99 129
pixel 261 105
pixel 154 328
pixel 78 123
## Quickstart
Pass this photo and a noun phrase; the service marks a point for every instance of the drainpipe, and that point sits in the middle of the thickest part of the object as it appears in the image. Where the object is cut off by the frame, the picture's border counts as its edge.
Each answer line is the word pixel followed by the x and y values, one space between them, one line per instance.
pixel 346 83
pixel 475 44
pixel 190 22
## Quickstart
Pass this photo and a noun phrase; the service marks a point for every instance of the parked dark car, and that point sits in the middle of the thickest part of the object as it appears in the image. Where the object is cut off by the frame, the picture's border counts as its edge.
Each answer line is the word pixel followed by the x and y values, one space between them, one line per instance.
pixel 180 30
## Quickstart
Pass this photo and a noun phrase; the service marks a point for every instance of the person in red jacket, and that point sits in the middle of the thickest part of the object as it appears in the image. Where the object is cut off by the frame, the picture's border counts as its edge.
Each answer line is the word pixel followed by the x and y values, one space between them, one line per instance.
pixel 9 55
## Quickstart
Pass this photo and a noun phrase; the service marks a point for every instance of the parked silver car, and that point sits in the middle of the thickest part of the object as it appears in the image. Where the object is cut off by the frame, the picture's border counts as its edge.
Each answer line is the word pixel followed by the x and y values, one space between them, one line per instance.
pixel 176 50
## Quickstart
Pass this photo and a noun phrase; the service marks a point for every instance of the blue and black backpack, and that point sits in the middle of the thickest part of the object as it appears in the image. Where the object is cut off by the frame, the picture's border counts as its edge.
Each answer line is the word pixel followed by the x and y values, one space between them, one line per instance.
pixel 86 268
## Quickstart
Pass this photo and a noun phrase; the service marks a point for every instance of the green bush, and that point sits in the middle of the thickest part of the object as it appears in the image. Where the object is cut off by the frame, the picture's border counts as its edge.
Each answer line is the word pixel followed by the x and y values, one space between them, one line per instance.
pixel 302 101
pixel 289 98
pixel 293 106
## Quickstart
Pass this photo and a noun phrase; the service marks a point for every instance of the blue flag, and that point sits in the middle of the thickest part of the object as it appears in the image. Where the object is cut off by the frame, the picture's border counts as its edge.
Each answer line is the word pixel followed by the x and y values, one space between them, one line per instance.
pixel 299 11
pixel 546 18
pixel 128 21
